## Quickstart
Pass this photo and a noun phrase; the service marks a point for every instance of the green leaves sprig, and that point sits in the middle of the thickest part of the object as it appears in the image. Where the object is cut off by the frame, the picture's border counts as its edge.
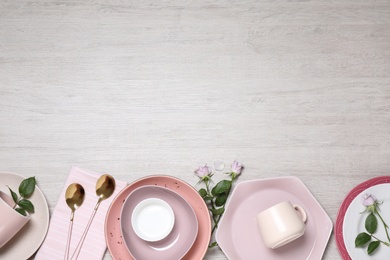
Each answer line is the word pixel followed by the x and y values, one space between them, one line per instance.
pixel 26 189
pixel 371 226
pixel 216 197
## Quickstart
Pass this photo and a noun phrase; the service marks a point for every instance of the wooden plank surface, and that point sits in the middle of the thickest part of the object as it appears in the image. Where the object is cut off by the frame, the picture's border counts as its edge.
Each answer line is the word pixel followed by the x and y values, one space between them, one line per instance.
pixel 141 87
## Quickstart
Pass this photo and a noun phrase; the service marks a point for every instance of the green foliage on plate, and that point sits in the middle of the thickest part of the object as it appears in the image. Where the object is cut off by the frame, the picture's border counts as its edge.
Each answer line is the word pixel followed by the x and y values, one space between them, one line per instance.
pixel 371 226
pixel 26 189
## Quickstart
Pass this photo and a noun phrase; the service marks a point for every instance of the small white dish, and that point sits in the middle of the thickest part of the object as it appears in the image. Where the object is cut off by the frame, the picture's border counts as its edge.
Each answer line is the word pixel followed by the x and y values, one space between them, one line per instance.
pixel 152 219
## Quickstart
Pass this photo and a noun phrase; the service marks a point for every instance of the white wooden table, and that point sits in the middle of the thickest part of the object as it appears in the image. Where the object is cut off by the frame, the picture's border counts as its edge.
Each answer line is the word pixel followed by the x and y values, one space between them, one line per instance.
pixel 286 87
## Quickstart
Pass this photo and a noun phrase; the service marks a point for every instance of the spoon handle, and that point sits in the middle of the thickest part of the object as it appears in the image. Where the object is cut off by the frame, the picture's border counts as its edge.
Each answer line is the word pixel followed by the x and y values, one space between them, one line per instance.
pixel 69 237
pixel 80 244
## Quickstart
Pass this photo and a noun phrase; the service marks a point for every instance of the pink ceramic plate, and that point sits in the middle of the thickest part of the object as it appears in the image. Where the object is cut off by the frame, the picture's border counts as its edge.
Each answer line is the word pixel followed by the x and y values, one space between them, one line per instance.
pixel 113 233
pixel 344 208
pixel 30 237
pixel 171 247
pixel 238 234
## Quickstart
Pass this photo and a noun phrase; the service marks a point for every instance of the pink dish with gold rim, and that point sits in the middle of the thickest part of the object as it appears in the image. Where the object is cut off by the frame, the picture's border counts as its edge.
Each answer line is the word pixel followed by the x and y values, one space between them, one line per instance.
pixel 116 244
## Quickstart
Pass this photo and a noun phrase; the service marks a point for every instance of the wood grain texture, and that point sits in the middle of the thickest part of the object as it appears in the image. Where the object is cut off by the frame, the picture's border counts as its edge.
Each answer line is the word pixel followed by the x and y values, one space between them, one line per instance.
pixel 140 87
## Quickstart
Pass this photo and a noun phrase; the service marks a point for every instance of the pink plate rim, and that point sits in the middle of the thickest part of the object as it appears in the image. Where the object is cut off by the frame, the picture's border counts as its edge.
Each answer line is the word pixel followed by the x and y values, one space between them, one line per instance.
pixel 344 207
pixel 114 240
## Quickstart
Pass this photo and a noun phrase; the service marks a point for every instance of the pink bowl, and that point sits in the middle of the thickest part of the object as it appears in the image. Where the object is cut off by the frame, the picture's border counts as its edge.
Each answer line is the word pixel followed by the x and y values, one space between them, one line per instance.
pixel 114 239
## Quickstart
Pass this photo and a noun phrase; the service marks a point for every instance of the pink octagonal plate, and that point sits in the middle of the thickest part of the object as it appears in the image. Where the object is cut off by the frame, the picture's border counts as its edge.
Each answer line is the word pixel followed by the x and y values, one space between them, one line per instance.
pixel 238 234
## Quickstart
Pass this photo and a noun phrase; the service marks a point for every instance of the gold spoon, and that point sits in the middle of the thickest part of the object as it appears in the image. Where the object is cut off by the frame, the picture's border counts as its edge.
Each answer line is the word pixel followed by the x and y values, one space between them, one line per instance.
pixel 74 197
pixel 105 187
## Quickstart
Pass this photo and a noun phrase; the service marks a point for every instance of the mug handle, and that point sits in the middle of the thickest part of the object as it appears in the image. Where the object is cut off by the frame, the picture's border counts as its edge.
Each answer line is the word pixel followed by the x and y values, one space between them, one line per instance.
pixel 301 211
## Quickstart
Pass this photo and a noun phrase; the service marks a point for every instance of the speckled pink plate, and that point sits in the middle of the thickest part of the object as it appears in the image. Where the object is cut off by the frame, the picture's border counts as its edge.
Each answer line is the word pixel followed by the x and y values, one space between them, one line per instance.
pixel 116 244
pixel 238 233
pixel 179 240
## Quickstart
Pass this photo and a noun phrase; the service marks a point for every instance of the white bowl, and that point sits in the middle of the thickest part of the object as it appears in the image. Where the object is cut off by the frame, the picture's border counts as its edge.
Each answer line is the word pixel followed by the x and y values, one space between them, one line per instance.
pixel 152 219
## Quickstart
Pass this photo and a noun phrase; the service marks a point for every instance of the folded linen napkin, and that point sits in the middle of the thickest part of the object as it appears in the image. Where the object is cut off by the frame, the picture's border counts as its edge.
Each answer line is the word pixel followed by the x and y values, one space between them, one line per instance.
pixel 94 245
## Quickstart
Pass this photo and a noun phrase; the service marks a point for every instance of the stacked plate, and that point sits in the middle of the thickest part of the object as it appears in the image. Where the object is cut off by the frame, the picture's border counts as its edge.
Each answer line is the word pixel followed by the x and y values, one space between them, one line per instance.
pixel 183 229
pixel 350 222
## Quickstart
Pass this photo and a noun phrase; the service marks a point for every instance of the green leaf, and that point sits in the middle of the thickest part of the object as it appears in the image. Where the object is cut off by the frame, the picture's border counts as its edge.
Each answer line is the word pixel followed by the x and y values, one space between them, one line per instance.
pixel 14 195
pixel 221 187
pixel 213 244
pixel 26 205
pixel 221 200
pixel 202 193
pixel 362 239
pixel 372 247
pixel 371 223
pixel 207 198
pixel 217 212
pixel 21 211
pixel 27 186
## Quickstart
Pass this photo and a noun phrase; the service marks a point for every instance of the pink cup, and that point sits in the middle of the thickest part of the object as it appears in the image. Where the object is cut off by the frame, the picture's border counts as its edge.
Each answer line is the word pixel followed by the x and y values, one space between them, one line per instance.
pixel 11 221
pixel 281 224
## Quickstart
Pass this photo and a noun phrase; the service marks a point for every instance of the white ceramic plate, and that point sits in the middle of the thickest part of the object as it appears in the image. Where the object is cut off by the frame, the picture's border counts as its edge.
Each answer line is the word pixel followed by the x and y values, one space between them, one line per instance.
pixel 31 236
pixel 354 223
pixel 238 233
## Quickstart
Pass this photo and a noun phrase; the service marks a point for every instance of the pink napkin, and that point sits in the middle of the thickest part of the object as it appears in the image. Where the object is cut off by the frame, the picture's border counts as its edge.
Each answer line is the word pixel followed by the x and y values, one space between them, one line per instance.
pixel 95 244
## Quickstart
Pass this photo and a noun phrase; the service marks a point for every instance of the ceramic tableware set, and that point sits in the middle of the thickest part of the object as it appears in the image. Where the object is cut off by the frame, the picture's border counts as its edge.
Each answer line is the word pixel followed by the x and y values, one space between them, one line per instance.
pixel 290 223
pixel 158 217
pixel 163 217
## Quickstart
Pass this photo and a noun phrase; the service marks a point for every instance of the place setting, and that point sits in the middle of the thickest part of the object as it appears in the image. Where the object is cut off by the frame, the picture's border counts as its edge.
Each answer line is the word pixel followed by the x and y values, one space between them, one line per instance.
pixel 276 218
pixel 164 217
pixel 158 217
pixel 19 231
pixel 362 224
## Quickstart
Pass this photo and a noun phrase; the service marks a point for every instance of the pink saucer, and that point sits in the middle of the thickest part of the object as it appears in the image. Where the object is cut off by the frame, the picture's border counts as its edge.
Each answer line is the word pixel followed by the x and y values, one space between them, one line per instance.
pixel 238 234
pixel 112 229
pixel 179 240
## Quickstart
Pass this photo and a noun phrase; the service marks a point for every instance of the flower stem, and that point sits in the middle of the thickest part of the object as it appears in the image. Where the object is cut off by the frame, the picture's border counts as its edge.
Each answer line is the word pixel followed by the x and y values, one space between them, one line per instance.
pixel 207 184
pixel 17 202
pixel 383 242
pixel 384 224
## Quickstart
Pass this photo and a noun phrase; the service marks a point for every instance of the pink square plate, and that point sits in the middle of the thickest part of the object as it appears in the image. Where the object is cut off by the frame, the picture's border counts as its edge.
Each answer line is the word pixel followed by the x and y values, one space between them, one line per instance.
pixel 238 234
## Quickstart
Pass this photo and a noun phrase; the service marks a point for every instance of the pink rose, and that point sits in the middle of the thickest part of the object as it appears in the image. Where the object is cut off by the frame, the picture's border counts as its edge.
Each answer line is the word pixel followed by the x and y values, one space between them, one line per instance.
pixel 203 171
pixel 368 200
pixel 236 167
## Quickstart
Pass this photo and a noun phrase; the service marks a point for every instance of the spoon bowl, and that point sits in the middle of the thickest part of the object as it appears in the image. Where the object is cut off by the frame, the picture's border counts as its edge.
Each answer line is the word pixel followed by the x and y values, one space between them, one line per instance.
pixel 74 197
pixel 105 187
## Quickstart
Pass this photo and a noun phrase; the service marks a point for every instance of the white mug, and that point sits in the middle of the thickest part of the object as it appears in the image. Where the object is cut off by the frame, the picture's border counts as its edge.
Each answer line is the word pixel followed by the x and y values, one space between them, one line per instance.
pixel 281 224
